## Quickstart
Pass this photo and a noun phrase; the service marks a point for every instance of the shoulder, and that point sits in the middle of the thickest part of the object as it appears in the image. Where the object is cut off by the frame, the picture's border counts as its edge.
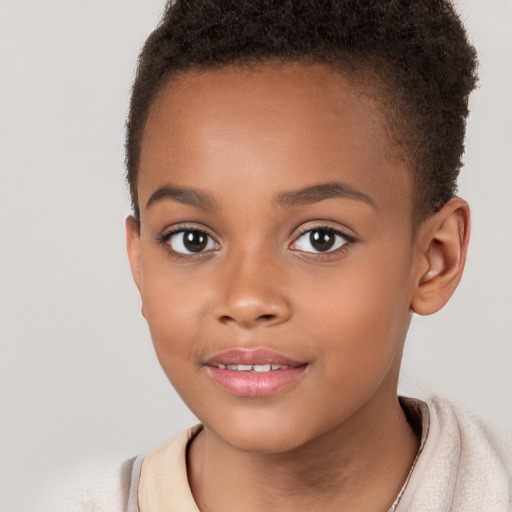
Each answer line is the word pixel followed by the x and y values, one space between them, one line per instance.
pixel 477 441
pixel 99 486
pixel 119 486
pixel 464 465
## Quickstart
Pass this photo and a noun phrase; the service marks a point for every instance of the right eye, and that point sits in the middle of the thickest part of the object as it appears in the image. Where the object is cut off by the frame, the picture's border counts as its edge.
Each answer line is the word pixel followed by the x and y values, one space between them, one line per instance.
pixel 191 241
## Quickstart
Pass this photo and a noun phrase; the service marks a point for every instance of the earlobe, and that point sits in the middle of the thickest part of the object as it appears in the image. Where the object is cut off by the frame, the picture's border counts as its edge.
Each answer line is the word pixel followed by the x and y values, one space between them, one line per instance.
pixel 133 247
pixel 442 246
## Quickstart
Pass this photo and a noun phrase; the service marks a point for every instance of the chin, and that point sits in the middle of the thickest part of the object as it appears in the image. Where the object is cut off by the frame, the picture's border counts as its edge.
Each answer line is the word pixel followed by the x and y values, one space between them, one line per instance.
pixel 275 443
pixel 260 433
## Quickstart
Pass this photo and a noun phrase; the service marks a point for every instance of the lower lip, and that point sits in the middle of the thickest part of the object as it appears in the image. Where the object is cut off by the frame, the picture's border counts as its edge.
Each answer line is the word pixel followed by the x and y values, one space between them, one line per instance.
pixel 253 384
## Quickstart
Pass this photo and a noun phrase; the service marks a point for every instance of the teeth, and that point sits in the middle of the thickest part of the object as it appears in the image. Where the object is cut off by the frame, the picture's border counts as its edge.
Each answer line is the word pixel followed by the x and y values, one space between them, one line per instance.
pixel 240 367
pixel 261 368
pixel 258 368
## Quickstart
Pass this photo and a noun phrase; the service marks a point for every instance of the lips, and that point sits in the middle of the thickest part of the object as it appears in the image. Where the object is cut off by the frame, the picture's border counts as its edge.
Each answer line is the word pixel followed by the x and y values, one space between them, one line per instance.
pixel 252 357
pixel 254 373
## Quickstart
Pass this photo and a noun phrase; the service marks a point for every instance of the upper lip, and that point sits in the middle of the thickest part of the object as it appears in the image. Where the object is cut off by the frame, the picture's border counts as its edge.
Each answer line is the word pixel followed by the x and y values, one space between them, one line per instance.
pixel 252 357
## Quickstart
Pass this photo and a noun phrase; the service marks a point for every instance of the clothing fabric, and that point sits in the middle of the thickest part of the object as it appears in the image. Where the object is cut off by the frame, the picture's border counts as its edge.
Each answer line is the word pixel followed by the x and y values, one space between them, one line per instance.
pixel 149 491
pixel 462 466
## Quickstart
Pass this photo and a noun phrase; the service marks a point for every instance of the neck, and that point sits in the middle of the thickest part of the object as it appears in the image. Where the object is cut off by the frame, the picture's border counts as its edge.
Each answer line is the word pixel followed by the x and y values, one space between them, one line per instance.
pixel 358 466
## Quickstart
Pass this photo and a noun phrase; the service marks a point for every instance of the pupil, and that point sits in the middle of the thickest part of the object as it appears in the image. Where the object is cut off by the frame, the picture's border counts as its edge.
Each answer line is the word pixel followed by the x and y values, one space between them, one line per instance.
pixel 321 239
pixel 194 241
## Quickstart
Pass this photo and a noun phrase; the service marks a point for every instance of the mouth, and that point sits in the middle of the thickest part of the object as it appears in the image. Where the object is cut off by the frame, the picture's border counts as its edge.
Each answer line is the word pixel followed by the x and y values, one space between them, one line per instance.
pixel 254 373
pixel 254 368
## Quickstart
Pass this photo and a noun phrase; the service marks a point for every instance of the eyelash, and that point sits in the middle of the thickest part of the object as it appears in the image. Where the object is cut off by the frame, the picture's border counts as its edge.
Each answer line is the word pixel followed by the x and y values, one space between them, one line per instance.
pixel 348 239
pixel 166 236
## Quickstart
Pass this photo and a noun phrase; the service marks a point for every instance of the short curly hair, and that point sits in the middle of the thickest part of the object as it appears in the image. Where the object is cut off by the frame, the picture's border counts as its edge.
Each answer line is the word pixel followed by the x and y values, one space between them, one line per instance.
pixel 416 52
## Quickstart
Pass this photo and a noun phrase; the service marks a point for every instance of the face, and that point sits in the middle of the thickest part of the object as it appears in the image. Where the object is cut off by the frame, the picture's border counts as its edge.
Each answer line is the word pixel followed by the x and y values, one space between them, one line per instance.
pixel 275 254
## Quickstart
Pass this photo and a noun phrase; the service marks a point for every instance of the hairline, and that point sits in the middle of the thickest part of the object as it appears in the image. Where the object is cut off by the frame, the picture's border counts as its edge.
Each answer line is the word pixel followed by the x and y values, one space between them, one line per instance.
pixel 366 71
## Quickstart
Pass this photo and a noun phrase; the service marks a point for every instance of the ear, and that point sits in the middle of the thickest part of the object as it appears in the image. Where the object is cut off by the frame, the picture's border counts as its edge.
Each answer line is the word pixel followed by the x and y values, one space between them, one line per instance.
pixel 442 243
pixel 133 246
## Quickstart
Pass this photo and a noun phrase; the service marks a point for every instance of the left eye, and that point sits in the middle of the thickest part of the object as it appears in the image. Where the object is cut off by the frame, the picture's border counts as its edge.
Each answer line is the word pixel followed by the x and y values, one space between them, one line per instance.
pixel 320 240
pixel 191 242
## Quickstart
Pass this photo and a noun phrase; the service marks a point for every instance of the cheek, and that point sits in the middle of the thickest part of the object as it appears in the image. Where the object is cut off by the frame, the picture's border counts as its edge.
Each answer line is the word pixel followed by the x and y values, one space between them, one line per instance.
pixel 175 310
pixel 174 307
pixel 361 310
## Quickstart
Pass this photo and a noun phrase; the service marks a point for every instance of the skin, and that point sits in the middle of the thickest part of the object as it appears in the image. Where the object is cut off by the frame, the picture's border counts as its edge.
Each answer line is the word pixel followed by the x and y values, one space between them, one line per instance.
pixel 336 439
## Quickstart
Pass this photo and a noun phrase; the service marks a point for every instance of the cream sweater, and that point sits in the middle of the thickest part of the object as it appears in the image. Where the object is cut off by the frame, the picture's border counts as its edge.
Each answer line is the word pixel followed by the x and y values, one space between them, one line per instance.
pixel 462 467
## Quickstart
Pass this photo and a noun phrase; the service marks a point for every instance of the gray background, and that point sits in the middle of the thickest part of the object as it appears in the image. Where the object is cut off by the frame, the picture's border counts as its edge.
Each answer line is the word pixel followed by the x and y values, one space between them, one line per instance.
pixel 78 377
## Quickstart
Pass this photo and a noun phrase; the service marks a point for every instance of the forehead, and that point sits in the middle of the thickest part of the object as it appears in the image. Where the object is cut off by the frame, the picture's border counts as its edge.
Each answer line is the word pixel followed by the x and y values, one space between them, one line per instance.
pixel 289 123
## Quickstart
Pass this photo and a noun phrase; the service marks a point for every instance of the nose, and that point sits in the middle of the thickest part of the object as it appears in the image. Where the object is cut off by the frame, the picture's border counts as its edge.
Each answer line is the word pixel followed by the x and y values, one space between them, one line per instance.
pixel 252 294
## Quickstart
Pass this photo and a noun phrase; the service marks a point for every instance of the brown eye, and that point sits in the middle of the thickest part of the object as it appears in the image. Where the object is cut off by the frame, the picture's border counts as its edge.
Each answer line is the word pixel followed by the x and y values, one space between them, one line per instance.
pixel 322 240
pixel 319 240
pixel 191 242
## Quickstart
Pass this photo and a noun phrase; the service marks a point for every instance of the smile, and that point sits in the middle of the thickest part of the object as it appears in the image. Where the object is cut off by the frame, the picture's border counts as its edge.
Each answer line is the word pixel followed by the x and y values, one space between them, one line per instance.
pixel 254 373
pixel 258 368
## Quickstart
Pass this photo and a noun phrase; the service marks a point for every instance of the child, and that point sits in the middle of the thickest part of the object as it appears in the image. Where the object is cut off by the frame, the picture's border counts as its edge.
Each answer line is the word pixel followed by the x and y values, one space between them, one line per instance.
pixel 293 169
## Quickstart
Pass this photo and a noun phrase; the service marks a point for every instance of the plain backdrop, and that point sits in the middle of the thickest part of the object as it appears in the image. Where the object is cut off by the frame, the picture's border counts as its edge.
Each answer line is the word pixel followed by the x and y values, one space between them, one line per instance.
pixel 78 377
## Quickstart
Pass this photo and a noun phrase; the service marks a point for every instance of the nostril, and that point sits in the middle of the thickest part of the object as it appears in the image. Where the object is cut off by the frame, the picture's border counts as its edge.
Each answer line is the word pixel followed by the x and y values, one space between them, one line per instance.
pixel 227 319
pixel 266 317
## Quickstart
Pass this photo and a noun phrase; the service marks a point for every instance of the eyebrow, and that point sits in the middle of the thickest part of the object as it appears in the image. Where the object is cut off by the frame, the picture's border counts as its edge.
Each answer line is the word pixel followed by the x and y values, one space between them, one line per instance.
pixel 303 196
pixel 320 192
pixel 189 196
